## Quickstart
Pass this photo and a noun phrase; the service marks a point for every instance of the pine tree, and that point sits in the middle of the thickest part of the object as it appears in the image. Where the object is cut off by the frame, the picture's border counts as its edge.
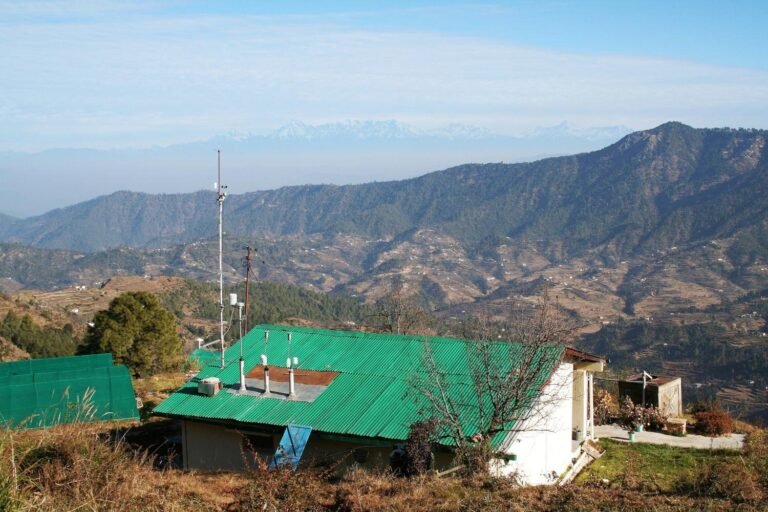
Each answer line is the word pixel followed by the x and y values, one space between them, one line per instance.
pixel 138 331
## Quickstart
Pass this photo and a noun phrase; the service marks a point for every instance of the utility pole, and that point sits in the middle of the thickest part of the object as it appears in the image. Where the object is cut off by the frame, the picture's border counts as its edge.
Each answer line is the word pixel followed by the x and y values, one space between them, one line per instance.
pixel 242 361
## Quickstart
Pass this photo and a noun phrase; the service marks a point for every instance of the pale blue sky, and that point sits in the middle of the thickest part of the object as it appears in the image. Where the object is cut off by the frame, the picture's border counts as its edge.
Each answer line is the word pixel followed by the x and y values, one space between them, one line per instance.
pixel 109 74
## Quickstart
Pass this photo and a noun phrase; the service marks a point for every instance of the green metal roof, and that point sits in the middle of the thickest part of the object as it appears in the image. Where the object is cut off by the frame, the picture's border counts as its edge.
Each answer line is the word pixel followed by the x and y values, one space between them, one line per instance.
pixel 65 390
pixel 55 364
pixel 203 356
pixel 373 395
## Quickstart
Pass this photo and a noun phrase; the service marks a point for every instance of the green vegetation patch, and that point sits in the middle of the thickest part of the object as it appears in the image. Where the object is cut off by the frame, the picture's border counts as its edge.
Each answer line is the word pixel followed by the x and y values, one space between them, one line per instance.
pixel 268 303
pixel 659 467
pixel 37 341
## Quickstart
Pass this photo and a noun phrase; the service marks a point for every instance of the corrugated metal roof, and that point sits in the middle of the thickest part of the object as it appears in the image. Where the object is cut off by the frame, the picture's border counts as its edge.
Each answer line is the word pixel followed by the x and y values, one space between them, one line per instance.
pixel 202 356
pixel 65 390
pixel 55 364
pixel 374 394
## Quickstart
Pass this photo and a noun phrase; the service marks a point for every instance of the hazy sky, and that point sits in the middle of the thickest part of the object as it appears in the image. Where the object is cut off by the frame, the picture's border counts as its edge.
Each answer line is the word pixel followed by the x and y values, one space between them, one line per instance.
pixel 109 74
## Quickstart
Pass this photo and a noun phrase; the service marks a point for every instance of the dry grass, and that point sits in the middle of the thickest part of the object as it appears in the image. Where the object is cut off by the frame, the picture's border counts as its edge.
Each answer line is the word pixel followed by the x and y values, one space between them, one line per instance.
pixel 78 467
pixel 82 467
pixel 155 389
pixel 161 383
pixel 365 492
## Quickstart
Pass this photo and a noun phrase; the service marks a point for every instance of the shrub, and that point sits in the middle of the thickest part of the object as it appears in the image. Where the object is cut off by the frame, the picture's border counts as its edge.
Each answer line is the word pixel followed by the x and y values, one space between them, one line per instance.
pixel 714 423
pixel 756 453
pixel 475 458
pixel 418 457
pixel 704 406
pixel 280 489
pixel 630 415
pixel 605 407
pixel 654 418
pixel 728 480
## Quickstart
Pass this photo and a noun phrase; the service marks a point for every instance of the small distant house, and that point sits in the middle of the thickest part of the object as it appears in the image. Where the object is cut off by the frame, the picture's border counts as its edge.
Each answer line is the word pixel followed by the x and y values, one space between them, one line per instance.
pixel 661 391
pixel 353 399
pixel 47 392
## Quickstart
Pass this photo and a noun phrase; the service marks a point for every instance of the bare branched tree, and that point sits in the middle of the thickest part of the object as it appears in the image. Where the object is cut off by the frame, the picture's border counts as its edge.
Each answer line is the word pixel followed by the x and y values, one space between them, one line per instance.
pixel 399 313
pixel 507 367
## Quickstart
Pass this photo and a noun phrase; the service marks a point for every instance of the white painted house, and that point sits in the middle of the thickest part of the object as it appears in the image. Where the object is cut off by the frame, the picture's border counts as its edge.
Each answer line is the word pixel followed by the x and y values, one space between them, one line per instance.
pixel 353 394
pixel 550 441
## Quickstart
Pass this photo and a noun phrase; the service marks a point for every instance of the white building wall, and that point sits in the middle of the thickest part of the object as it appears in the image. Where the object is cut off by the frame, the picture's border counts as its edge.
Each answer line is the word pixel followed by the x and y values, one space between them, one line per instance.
pixel 543 446
pixel 580 396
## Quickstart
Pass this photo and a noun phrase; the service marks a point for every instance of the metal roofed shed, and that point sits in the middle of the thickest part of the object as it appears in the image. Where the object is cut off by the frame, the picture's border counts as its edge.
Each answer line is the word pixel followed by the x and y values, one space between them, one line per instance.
pixel 358 395
pixel 661 391
pixel 47 392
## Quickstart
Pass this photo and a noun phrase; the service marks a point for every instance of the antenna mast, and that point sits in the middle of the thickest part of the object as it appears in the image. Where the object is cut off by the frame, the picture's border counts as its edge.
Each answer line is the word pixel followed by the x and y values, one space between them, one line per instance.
pixel 247 282
pixel 220 198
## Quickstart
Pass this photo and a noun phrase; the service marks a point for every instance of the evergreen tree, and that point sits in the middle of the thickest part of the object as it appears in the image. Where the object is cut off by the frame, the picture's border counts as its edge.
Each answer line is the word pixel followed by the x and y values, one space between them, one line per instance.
pixel 138 331
pixel 37 341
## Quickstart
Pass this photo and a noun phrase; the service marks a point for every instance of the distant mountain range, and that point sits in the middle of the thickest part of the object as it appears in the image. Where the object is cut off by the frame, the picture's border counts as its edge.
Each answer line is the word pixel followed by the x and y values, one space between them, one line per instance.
pixel 395 130
pixel 295 154
pixel 6 220
pixel 670 186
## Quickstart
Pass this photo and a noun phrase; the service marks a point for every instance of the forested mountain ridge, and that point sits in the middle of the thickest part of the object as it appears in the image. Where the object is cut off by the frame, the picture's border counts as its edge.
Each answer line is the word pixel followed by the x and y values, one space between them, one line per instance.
pixel 6 221
pixel 673 185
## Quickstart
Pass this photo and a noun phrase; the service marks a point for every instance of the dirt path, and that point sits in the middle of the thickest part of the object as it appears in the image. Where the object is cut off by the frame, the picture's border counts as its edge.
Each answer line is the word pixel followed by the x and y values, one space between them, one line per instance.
pixel 729 442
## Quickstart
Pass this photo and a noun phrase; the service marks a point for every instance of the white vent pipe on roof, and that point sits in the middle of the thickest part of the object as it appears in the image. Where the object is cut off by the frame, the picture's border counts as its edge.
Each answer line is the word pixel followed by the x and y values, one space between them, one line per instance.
pixel 291 381
pixel 266 373
pixel 242 374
